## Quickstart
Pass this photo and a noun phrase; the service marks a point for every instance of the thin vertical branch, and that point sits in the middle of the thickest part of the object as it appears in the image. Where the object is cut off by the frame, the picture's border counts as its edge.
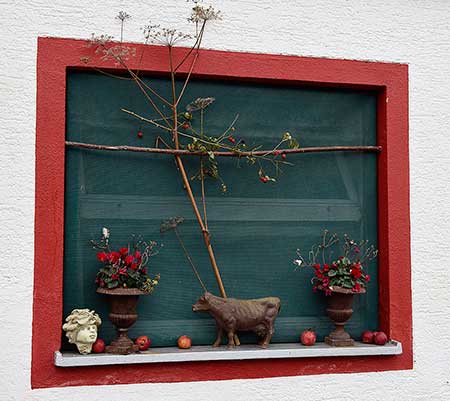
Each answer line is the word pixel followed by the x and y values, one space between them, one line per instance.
pixel 202 178
pixel 206 235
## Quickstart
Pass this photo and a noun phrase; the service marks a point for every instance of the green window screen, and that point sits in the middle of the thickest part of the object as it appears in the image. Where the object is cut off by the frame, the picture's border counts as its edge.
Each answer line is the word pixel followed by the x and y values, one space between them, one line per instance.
pixel 255 227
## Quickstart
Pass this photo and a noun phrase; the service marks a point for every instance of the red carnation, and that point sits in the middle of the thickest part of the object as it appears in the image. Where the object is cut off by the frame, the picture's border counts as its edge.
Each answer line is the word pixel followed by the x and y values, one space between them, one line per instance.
pixel 114 276
pixel 114 257
pixel 137 254
pixel 134 266
pixel 102 256
pixel 316 266
pixel 123 271
pixel 367 277
pixel 129 259
pixel 123 251
pixel 356 288
pixel 356 273
pixel 326 267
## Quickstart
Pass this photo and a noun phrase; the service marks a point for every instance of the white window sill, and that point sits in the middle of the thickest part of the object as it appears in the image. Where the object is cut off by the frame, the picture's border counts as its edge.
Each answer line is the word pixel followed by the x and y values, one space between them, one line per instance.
pixel 209 353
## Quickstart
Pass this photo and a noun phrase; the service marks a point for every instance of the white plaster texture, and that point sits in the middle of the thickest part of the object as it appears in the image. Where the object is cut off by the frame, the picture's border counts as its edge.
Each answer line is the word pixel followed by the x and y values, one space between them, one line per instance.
pixel 410 31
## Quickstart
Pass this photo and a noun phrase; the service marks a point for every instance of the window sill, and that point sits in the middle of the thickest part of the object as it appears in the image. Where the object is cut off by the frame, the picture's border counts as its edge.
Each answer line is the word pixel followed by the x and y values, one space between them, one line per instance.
pixel 208 353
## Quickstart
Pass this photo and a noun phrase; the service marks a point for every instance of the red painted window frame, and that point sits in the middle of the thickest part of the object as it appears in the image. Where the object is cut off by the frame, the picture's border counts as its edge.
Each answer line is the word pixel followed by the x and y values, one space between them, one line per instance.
pixel 56 55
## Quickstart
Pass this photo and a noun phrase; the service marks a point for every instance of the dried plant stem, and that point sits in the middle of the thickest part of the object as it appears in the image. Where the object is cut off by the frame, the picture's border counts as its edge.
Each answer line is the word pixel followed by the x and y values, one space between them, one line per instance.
pixel 199 38
pixel 189 258
pixel 132 113
pixel 202 178
pixel 179 161
pixel 184 152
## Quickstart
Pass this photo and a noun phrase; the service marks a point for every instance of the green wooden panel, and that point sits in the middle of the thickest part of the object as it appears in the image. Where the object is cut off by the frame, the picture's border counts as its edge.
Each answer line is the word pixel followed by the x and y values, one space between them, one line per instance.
pixel 256 227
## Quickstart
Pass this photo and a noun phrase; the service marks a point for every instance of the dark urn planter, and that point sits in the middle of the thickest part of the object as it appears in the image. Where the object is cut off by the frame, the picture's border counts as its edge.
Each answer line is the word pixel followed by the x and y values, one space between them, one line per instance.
pixel 122 314
pixel 340 310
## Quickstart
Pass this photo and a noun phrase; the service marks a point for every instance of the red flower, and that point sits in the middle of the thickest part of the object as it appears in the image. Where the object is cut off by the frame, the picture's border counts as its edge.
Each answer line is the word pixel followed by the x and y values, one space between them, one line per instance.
pixel 123 251
pixel 102 256
pixel 367 277
pixel 316 266
pixel 123 271
pixel 114 276
pixel 129 259
pixel 315 288
pixel 327 292
pixel 356 288
pixel 144 270
pixel 102 283
pixel 326 267
pixel 137 254
pixel 334 265
pixel 134 266
pixel 356 273
pixel 325 282
pixel 114 256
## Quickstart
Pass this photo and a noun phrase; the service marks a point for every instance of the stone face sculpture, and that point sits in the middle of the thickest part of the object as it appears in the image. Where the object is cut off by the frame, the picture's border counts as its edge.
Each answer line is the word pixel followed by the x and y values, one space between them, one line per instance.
pixel 232 315
pixel 81 329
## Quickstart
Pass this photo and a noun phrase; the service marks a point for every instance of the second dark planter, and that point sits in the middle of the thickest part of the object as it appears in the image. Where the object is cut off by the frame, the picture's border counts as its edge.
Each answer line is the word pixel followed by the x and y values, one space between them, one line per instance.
pixel 122 314
pixel 339 310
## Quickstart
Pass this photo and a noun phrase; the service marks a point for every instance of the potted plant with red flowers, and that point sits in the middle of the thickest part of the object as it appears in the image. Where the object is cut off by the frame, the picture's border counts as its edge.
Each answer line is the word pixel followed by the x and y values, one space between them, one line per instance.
pixel 339 278
pixel 123 277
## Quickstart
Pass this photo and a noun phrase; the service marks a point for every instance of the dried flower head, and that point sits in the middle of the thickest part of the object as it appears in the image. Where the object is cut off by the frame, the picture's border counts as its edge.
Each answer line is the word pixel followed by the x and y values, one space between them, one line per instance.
pixel 200 103
pixel 122 16
pixel 201 13
pixel 100 40
pixel 164 36
pixel 171 223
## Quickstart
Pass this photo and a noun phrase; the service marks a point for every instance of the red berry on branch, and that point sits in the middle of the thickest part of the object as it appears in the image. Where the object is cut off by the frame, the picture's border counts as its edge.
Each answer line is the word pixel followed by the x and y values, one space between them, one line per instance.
pixel 231 139
pixel 264 179
pixel 283 156
pixel 140 134
pixel 185 126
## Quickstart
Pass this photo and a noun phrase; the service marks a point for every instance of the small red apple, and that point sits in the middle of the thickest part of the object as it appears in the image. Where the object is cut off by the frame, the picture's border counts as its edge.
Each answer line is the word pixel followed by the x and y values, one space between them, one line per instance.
pixel 308 337
pixel 380 338
pixel 184 342
pixel 99 346
pixel 143 342
pixel 367 337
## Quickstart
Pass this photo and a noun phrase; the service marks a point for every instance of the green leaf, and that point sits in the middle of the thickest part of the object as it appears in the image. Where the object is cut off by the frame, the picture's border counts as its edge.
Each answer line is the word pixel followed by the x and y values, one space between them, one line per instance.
pixel 112 284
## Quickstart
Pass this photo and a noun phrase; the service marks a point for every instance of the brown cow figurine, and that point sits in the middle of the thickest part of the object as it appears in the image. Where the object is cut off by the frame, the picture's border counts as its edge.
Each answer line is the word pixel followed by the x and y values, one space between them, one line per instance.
pixel 232 315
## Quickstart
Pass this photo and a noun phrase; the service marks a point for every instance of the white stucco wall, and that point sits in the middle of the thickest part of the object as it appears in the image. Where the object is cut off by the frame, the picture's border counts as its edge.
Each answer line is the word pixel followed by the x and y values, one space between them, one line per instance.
pixel 411 31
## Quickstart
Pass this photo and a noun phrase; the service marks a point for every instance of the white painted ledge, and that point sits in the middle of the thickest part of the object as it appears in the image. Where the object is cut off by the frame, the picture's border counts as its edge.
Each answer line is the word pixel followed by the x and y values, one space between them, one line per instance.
pixel 209 353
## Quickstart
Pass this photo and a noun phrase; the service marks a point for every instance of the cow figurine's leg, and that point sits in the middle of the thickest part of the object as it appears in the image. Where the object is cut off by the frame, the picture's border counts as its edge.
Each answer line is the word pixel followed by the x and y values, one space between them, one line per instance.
pixel 219 337
pixel 236 340
pixel 231 339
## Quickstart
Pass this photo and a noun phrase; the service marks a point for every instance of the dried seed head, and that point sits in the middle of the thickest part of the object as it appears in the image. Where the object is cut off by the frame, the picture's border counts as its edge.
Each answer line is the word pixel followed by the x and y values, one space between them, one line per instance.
pixel 164 36
pixel 200 103
pixel 201 13
pixel 122 16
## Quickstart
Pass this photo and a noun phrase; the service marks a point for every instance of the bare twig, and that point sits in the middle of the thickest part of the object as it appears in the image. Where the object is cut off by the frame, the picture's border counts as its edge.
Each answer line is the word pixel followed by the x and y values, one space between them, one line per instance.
pixel 184 152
